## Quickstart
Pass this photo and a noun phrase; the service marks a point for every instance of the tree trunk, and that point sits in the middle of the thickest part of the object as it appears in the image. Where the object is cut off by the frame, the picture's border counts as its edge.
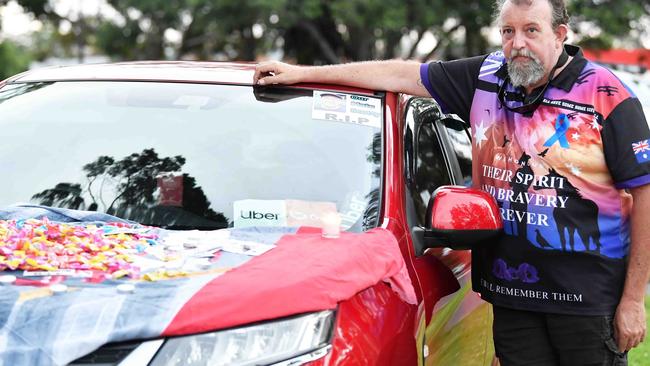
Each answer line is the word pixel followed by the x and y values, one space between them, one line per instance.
pixel 326 50
pixel 247 46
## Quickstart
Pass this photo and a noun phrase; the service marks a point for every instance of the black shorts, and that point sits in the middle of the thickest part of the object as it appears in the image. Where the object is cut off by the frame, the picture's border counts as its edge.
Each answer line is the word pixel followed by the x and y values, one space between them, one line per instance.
pixel 541 339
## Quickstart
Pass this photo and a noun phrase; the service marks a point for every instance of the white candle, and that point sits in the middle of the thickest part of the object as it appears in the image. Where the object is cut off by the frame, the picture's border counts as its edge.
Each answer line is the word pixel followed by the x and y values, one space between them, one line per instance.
pixel 331 225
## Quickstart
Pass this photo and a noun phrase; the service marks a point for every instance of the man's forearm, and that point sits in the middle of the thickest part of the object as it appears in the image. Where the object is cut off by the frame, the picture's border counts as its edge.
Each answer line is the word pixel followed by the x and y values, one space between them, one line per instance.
pixel 390 75
pixel 630 318
pixel 638 267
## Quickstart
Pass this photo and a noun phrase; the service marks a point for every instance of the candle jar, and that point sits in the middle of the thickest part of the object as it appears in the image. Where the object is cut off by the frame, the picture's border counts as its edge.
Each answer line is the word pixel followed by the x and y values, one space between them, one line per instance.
pixel 331 225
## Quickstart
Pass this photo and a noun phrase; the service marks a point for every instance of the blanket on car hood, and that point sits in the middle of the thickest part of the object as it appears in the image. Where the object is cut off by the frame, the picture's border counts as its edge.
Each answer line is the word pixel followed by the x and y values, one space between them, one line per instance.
pixel 301 272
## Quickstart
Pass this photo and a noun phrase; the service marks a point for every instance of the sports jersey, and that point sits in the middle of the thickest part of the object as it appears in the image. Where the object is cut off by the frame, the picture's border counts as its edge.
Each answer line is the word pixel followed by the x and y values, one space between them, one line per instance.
pixel 559 176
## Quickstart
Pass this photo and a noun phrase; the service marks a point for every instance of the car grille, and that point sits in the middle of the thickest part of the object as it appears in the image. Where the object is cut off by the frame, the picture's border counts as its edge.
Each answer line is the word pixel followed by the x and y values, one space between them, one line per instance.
pixel 108 355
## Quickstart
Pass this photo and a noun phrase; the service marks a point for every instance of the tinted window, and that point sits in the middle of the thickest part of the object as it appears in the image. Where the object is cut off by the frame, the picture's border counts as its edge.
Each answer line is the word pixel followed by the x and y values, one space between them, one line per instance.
pixel 462 147
pixel 426 159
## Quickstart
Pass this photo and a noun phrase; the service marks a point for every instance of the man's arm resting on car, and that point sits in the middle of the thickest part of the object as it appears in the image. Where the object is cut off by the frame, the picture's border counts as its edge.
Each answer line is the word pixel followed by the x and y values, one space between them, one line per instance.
pixel 391 75
pixel 630 319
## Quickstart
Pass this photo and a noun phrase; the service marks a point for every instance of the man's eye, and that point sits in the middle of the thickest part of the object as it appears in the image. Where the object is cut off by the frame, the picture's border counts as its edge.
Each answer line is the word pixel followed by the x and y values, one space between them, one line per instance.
pixel 506 31
pixel 532 30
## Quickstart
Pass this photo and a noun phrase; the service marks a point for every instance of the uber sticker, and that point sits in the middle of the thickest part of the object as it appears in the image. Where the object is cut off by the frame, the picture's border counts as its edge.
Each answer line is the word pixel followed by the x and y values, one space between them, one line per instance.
pixel 260 213
pixel 347 108
pixel 354 207
pixel 281 212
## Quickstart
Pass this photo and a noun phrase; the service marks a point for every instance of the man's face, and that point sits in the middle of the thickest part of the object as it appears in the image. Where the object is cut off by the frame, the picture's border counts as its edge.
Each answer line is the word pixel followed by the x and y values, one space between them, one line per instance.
pixel 529 42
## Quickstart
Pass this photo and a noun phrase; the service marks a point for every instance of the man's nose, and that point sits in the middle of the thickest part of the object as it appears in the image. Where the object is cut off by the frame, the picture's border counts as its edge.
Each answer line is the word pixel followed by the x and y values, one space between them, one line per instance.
pixel 518 41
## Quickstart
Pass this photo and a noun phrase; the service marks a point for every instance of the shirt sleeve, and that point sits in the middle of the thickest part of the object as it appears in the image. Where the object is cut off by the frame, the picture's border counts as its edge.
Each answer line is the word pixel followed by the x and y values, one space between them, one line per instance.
pixel 626 139
pixel 452 83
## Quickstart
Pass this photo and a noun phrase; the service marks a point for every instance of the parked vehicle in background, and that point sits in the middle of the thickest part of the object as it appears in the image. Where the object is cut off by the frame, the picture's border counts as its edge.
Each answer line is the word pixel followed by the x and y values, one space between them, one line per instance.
pixel 195 153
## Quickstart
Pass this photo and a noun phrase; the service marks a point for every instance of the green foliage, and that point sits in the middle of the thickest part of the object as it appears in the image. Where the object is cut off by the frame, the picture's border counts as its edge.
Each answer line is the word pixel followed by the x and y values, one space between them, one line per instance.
pixel 207 27
pixel 614 17
pixel 602 42
pixel 604 21
pixel 39 8
pixel 118 42
pixel 13 59
pixel 312 31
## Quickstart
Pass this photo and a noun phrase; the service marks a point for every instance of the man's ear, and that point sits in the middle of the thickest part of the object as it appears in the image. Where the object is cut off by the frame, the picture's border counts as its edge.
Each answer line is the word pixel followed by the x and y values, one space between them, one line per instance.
pixel 561 33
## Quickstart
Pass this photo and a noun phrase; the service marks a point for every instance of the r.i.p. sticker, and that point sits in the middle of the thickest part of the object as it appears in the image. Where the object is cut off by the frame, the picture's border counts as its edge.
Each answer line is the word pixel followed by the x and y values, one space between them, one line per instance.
pixel 347 108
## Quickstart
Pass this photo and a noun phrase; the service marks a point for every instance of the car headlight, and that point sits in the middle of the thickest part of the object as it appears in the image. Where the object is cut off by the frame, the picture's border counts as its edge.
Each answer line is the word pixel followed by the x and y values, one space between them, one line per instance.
pixel 264 343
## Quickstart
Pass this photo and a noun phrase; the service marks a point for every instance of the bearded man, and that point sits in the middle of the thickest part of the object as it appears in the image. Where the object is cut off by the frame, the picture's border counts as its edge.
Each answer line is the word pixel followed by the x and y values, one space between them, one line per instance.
pixel 574 133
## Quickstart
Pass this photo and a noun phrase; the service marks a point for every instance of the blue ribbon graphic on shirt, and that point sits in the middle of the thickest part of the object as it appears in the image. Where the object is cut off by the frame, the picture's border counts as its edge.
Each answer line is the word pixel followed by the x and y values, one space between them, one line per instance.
pixel 561 127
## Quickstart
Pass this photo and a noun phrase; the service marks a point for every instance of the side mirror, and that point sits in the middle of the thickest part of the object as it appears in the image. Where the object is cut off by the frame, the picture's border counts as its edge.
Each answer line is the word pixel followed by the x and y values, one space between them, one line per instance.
pixel 461 218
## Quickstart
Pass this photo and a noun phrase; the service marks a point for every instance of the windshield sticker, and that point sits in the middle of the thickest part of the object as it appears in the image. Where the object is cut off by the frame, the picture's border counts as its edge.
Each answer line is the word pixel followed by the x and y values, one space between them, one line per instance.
pixel 347 108
pixel 260 213
pixel 353 210
pixel 307 213
pixel 280 212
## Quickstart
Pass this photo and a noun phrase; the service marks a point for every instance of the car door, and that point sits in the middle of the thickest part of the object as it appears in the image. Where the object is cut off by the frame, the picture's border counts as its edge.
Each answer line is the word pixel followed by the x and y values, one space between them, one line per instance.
pixel 457 323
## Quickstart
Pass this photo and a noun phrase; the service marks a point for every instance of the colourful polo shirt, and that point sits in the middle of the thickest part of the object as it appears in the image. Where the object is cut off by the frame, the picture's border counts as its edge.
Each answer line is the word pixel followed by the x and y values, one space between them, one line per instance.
pixel 559 175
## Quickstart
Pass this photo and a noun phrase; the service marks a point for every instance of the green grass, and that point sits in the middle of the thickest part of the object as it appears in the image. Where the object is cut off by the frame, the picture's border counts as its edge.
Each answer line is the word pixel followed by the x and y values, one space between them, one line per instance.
pixel 641 355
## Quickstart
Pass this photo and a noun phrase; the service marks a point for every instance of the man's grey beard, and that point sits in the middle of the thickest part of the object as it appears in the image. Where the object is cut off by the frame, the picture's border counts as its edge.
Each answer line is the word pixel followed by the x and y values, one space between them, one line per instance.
pixel 525 74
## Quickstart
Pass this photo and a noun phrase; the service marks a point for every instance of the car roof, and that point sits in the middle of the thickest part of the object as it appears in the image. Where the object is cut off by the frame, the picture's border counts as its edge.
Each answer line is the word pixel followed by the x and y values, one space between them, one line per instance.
pixel 208 72
pixel 169 71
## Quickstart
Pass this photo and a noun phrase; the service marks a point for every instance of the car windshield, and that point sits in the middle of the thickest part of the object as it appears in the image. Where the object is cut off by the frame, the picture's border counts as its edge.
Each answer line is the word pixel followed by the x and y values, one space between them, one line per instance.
pixel 192 156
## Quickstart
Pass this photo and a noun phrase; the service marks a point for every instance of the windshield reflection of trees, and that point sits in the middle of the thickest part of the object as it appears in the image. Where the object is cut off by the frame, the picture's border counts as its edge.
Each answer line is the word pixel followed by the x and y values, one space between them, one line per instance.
pixel 14 90
pixel 139 193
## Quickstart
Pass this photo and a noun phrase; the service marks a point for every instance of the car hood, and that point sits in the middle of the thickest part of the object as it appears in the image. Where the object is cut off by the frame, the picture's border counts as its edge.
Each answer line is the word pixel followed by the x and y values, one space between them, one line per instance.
pixel 303 272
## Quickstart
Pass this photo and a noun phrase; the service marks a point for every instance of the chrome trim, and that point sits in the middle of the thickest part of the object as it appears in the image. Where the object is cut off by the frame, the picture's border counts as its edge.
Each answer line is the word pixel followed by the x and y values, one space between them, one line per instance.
pixel 303 359
pixel 143 354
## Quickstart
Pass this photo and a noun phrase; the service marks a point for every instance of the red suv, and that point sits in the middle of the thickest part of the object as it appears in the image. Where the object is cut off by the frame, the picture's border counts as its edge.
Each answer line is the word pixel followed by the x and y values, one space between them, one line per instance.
pixel 311 224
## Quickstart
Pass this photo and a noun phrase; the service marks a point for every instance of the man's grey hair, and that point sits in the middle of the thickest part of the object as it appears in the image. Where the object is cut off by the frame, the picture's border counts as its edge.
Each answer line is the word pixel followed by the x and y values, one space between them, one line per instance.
pixel 559 14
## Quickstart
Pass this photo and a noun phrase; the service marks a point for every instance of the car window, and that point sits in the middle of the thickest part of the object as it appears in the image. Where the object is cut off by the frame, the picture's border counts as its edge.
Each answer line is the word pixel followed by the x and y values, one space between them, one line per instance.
pixel 189 156
pixel 461 145
pixel 425 158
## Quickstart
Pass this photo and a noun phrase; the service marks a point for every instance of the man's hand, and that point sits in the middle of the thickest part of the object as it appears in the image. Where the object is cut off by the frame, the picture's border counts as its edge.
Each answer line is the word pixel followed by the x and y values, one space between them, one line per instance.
pixel 629 324
pixel 274 72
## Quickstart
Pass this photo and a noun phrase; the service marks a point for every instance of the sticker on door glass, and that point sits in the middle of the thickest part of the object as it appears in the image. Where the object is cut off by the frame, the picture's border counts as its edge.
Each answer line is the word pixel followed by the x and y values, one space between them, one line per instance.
pixel 347 108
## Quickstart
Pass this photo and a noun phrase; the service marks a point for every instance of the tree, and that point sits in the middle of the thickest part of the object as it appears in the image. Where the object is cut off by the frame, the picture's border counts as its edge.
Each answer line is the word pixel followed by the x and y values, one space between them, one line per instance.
pixel 82 27
pixel 315 31
pixel 13 59
pixel 320 31
pixel 598 24
pixel 205 27
pixel 134 180
pixel 62 195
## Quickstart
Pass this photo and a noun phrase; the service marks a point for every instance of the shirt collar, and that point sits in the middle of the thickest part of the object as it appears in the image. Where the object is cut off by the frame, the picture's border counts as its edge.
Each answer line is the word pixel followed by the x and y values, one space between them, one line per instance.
pixel 567 77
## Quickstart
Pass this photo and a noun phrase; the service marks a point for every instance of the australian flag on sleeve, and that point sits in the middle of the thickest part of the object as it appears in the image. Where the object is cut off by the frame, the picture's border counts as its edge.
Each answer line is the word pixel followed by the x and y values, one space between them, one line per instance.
pixel 641 151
